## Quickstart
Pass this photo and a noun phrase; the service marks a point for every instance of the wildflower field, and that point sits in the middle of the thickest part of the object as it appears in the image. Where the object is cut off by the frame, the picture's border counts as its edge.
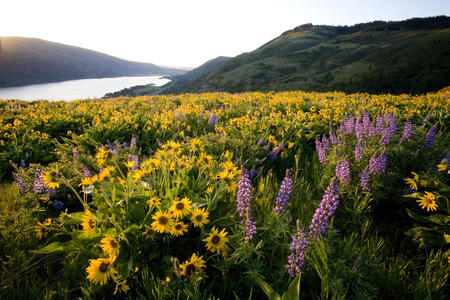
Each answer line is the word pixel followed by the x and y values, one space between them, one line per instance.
pixel 226 196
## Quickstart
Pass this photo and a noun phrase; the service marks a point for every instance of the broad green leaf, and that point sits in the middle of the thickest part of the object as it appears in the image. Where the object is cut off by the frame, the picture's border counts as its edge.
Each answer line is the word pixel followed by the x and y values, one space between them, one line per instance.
pixel 267 289
pixel 293 292
pixel 58 247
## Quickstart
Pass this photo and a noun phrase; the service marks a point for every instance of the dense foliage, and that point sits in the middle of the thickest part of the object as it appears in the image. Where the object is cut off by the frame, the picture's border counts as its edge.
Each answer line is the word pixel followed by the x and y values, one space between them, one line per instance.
pixel 218 195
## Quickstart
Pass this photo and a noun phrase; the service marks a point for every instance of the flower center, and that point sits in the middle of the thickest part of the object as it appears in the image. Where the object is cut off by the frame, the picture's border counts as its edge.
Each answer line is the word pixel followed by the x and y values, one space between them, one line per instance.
pixel 190 268
pixel 178 227
pixel 179 206
pixel 113 243
pixel 198 218
pixel 215 239
pixel 163 220
pixel 91 223
pixel 104 267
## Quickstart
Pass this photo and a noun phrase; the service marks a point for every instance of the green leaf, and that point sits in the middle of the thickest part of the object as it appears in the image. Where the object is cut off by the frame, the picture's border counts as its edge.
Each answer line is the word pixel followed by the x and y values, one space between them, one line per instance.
pixel 58 247
pixel 434 219
pixel 267 289
pixel 293 292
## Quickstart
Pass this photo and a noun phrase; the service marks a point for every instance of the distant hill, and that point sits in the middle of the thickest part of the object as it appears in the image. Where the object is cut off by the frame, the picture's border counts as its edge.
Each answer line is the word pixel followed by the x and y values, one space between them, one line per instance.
pixel 29 60
pixel 178 84
pixel 411 56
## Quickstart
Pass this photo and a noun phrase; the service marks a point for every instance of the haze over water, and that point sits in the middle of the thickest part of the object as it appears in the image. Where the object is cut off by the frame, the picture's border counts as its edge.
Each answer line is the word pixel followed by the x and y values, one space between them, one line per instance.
pixel 77 89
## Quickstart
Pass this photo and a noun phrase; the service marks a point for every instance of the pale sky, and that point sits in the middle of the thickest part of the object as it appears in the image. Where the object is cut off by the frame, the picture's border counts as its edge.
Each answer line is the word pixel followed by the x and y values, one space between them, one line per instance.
pixel 186 33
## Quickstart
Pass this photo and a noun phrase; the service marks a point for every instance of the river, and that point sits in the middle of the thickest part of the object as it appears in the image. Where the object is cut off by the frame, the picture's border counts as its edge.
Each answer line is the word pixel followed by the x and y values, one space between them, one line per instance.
pixel 77 89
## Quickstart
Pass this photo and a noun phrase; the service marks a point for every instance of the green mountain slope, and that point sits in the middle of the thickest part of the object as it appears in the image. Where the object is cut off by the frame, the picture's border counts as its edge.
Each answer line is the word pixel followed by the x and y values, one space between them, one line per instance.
pixel 411 56
pixel 29 60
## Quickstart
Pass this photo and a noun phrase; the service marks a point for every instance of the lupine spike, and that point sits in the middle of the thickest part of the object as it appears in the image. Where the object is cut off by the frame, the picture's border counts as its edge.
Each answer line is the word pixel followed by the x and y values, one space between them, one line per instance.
pixel 284 194
pixel 298 249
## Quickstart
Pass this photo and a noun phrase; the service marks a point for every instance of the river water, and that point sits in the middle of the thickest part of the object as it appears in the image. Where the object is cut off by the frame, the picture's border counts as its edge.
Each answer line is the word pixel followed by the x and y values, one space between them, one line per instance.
pixel 77 89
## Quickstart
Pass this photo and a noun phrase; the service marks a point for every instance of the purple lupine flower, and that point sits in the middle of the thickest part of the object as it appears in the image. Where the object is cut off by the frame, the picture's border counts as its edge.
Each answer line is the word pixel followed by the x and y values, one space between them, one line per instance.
pixel 86 172
pixel 359 151
pixel 343 171
pixel 349 124
pixel 249 228
pixel 176 114
pixel 201 113
pixel 212 119
pixel 373 129
pixel 125 145
pixel 325 211
pixel 408 131
pixel 28 155
pixel 366 121
pixel 431 135
pixel 260 141
pixel 267 147
pixel 184 113
pixel 377 164
pixel 385 137
pixel 133 142
pixel 284 194
pixel 38 186
pixel 20 184
pixel 75 153
pixel 274 153
pixel 392 125
pixel 365 177
pixel 298 249
pixel 59 205
pixel 359 131
pixel 243 194
pixel 380 123
pixel 253 173
pixel 23 164
pixel 110 146
pixel 321 152
pixel 333 137
pixel 326 143
pixel 160 144
pixel 243 205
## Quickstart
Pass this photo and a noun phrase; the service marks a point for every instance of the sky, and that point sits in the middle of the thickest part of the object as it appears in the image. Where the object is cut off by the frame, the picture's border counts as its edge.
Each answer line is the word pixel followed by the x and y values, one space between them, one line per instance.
pixel 187 33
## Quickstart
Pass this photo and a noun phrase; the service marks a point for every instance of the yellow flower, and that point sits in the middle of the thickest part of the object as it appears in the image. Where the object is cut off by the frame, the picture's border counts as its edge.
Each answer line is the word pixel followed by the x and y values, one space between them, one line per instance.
pixel 178 229
pixel 209 190
pixel 102 155
pixel 100 270
pixel 47 222
pixel 216 241
pixel 416 176
pixel 129 164
pixel 192 266
pixel 442 167
pixel 49 179
pixel 428 201
pixel 110 245
pixel 86 181
pixel 312 109
pixel 106 172
pixel 89 223
pixel 163 221
pixel 180 208
pixel 154 202
pixel 199 217
pixel 121 287
pixel 412 183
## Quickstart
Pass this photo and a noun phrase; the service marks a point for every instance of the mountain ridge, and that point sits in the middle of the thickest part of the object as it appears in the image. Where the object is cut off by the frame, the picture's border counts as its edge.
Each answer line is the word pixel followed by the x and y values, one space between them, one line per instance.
pixel 26 61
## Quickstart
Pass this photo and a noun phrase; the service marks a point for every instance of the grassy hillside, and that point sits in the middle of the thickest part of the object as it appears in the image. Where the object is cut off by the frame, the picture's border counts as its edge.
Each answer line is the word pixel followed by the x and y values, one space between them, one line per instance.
pixel 29 60
pixel 411 56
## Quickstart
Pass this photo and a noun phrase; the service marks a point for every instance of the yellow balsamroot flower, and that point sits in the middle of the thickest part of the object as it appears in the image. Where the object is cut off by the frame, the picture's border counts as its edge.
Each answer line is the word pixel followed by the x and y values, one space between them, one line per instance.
pixel 129 164
pixel 416 176
pixel 47 222
pixel 209 190
pixel 163 221
pixel 181 207
pixel 312 109
pixel 106 172
pixel 89 223
pixel 216 241
pixel 121 287
pixel 49 179
pixel 154 202
pixel 100 270
pixel 199 217
pixel 428 201
pixel 102 155
pixel 412 183
pixel 110 245
pixel 178 229
pixel 192 266
pixel 442 166
pixel 86 181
